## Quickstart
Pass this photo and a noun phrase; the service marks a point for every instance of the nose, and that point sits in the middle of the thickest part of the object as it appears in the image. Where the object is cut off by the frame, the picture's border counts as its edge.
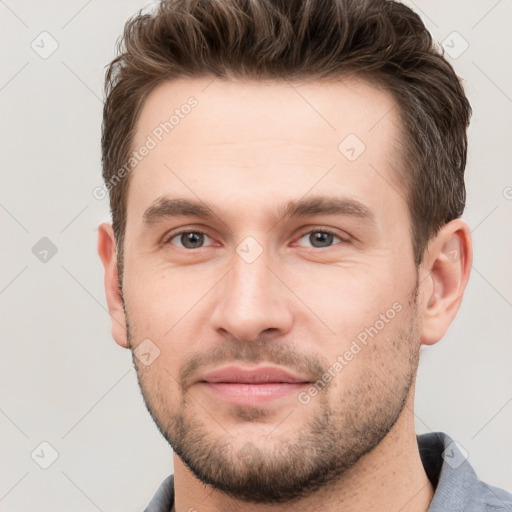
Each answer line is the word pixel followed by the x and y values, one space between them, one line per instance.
pixel 252 299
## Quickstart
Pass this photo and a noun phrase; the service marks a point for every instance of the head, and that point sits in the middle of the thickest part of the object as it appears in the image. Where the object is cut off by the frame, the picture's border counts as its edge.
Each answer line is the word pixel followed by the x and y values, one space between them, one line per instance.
pixel 286 182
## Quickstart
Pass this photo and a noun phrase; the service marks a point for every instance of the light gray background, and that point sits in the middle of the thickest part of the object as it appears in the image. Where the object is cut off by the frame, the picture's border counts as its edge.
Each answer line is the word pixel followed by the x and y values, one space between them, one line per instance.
pixel 65 381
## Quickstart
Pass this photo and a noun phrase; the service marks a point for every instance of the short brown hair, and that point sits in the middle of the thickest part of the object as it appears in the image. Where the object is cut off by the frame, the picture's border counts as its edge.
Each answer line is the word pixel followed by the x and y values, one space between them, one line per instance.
pixel 382 41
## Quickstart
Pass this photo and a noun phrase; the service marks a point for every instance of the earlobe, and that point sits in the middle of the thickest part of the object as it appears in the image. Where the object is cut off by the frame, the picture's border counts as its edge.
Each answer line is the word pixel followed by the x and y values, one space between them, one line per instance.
pixel 108 255
pixel 448 261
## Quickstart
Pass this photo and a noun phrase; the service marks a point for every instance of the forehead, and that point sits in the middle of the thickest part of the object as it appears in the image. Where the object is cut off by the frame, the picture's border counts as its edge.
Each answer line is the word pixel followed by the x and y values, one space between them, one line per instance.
pixel 228 141
pixel 241 111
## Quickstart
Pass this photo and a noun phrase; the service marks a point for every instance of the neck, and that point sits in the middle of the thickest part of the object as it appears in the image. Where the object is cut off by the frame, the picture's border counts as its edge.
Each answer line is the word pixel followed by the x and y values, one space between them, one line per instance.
pixel 390 477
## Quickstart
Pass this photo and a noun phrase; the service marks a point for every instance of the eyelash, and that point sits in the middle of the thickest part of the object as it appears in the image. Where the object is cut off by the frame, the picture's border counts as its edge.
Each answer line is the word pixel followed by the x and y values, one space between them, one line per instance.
pixel 315 230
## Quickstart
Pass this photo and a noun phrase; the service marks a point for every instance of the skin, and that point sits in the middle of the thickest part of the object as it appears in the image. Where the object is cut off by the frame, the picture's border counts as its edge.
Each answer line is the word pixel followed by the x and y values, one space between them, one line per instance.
pixel 246 150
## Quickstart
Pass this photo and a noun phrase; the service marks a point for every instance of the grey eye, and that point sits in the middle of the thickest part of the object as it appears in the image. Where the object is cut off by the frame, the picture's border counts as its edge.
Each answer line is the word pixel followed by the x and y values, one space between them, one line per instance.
pixel 189 239
pixel 320 239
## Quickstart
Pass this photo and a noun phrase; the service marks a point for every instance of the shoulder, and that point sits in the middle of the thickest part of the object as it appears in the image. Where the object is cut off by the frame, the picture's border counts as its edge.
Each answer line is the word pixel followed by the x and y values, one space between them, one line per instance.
pixel 163 500
pixel 457 486
pixel 494 498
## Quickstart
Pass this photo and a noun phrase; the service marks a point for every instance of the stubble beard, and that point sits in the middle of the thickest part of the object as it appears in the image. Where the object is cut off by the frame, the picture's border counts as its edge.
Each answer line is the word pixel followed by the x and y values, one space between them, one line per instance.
pixel 292 464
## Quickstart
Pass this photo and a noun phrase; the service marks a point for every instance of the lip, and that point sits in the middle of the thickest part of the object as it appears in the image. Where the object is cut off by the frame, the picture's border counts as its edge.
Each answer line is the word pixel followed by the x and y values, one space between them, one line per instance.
pixel 251 386
pixel 258 375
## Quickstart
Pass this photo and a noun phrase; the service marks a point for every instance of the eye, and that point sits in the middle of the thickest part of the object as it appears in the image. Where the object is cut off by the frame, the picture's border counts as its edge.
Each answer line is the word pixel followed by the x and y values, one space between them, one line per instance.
pixel 320 238
pixel 189 239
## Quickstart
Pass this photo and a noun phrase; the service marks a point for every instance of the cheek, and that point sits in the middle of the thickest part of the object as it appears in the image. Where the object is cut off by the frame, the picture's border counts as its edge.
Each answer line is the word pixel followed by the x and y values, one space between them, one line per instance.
pixel 160 308
pixel 350 299
pixel 375 365
pixel 157 301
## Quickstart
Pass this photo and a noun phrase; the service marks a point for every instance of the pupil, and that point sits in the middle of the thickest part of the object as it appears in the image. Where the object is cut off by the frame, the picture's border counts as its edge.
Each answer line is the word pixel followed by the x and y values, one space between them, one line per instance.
pixel 320 236
pixel 193 239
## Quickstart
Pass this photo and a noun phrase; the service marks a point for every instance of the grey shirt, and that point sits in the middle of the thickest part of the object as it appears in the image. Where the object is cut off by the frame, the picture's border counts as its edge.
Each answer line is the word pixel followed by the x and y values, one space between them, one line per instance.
pixel 457 488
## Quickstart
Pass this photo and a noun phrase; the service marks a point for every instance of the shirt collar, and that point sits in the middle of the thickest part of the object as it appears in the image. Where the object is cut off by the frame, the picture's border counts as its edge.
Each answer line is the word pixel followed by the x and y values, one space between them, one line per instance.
pixel 457 487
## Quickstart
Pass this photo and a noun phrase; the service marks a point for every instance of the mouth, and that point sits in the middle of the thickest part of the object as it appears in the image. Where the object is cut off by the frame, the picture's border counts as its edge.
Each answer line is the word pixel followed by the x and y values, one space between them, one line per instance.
pixel 251 386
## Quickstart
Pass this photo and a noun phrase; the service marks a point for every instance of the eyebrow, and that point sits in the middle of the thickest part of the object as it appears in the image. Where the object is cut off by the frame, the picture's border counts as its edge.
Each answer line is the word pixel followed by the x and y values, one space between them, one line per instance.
pixel 166 207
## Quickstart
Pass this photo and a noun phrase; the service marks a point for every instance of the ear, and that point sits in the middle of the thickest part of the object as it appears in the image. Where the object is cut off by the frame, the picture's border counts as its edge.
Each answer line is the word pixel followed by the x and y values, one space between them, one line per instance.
pixel 108 254
pixel 446 268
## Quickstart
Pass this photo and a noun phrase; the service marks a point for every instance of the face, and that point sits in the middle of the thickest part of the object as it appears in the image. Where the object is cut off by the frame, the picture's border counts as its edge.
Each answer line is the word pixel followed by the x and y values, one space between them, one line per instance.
pixel 269 282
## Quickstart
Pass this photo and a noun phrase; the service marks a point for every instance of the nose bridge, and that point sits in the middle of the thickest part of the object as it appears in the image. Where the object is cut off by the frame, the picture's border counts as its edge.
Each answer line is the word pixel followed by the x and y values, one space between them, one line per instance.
pixel 250 277
pixel 249 283
pixel 251 298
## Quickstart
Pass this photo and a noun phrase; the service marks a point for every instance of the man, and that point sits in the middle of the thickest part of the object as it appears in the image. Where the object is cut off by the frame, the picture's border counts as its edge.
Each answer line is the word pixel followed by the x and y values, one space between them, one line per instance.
pixel 286 182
